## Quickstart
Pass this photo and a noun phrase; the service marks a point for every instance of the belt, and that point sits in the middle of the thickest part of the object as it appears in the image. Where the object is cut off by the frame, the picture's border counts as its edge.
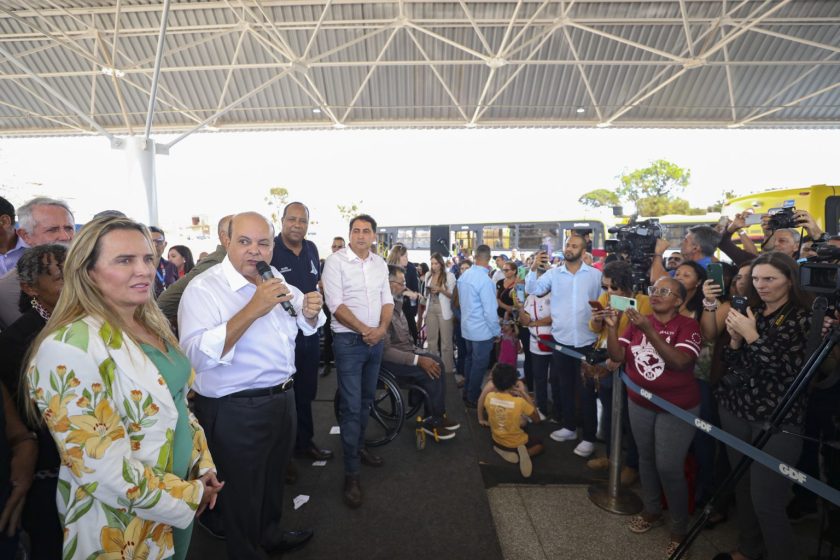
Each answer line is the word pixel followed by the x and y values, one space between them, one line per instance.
pixel 265 391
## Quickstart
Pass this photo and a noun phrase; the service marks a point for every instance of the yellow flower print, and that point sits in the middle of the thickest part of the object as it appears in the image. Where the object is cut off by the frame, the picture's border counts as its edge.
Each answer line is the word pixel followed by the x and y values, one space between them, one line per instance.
pixel 162 535
pixel 180 489
pixel 83 402
pixel 96 431
pixel 61 370
pixel 135 445
pixel 55 414
pixel 133 493
pixel 74 382
pixel 136 395
pixel 151 410
pixel 74 460
pixel 134 427
pixel 152 480
pixel 97 388
pixel 125 545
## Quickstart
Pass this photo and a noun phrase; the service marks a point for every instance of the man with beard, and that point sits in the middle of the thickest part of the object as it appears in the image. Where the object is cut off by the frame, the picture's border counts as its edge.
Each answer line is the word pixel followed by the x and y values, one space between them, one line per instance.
pixel 40 221
pixel 572 285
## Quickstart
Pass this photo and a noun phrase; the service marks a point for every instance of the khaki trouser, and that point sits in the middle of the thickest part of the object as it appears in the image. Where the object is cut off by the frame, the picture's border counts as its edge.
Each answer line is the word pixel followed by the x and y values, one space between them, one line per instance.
pixel 439 334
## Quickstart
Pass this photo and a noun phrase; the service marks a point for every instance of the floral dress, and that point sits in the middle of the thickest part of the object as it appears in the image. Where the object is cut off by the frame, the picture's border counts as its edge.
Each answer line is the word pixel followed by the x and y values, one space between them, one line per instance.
pixel 113 419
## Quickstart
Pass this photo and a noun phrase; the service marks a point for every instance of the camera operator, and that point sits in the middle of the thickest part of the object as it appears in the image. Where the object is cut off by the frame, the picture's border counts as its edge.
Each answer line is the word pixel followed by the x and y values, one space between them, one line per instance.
pixel 698 245
pixel 766 352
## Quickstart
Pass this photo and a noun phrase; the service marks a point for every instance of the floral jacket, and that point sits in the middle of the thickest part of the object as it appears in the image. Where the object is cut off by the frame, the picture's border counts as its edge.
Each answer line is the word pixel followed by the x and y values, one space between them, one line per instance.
pixel 113 419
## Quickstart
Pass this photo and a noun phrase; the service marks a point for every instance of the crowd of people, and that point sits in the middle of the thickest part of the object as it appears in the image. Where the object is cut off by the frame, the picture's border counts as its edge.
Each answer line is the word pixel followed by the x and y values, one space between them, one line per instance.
pixel 140 393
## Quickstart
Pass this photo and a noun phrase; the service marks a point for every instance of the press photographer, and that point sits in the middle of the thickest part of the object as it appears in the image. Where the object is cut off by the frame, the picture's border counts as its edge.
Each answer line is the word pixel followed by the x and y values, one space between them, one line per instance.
pixel 698 245
pixel 636 243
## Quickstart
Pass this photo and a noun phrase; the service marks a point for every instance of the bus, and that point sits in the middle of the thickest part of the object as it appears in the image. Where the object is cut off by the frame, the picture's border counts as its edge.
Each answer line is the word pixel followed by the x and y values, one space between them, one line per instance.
pixel 821 201
pixel 502 237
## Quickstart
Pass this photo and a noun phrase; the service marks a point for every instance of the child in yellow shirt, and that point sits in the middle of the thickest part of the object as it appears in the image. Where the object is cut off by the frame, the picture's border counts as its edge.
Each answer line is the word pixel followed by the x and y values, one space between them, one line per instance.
pixel 506 402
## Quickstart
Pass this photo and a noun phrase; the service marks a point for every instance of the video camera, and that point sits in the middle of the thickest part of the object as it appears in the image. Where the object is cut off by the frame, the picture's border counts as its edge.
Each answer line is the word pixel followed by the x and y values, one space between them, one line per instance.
pixel 819 274
pixel 636 243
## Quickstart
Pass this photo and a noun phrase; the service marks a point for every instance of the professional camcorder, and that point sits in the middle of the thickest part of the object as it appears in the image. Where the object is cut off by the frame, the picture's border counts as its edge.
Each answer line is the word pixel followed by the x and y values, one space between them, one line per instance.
pixel 818 274
pixel 636 243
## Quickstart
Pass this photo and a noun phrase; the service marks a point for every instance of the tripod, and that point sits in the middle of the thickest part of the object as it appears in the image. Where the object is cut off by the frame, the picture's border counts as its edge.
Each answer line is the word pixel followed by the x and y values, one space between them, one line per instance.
pixel 800 383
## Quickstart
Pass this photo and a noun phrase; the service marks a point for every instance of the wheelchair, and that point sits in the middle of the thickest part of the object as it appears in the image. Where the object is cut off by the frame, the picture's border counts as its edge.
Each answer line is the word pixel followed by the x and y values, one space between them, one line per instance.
pixel 390 409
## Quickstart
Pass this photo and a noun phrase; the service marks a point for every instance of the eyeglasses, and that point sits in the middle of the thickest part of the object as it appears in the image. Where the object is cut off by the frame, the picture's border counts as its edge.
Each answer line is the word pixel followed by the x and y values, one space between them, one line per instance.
pixel 660 292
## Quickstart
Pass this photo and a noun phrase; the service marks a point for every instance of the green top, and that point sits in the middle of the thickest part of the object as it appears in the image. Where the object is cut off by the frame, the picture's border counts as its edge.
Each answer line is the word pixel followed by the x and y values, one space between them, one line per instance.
pixel 175 369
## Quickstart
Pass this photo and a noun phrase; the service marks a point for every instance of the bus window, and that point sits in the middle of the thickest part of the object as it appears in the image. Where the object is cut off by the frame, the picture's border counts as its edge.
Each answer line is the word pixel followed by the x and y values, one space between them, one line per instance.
pixel 406 237
pixel 531 236
pixel 422 238
pixel 465 241
pixel 497 237
pixel 384 240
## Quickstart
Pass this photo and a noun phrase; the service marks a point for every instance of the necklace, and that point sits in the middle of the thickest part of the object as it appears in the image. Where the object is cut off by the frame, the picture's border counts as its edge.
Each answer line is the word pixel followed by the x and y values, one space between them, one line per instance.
pixel 40 309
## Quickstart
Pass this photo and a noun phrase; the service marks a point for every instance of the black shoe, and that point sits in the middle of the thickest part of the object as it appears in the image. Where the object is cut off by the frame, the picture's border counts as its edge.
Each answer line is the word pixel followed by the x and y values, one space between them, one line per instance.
pixel 290 540
pixel 326 371
pixel 291 473
pixel 434 427
pixel 315 453
pixel 369 458
pixel 352 491
pixel 209 524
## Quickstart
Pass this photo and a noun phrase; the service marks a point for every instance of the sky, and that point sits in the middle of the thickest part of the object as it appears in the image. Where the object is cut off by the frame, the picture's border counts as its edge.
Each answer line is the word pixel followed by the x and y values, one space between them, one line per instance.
pixel 405 177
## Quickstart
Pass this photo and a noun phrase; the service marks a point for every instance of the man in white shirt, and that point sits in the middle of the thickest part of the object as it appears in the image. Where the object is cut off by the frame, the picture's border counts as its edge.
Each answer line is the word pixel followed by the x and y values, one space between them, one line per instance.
pixel 241 342
pixel 359 297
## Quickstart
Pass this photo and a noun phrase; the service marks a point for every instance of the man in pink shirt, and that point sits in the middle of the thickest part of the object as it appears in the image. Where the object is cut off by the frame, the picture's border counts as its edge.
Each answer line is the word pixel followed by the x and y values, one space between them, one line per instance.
pixel 358 295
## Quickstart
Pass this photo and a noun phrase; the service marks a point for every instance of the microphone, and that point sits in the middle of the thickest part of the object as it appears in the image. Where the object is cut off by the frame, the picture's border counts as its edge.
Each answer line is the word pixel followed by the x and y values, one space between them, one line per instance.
pixel 265 273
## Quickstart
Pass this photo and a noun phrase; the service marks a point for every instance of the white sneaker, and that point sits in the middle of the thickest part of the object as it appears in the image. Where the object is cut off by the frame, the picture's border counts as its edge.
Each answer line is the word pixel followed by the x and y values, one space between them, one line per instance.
pixel 585 449
pixel 564 435
pixel 542 416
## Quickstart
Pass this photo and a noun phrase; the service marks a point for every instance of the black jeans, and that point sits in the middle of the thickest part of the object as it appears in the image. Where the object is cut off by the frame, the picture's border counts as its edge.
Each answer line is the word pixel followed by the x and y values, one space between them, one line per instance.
pixel 565 383
pixel 436 388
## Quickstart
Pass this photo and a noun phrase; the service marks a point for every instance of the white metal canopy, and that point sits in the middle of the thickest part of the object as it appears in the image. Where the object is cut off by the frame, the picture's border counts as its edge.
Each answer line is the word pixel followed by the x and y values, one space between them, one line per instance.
pixel 89 66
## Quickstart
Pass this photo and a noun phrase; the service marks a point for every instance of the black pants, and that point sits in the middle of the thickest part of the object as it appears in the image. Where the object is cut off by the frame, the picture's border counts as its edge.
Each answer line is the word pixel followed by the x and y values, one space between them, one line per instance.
pixel 328 337
pixel 565 385
pixel 40 520
pixel 251 441
pixel 436 388
pixel 307 355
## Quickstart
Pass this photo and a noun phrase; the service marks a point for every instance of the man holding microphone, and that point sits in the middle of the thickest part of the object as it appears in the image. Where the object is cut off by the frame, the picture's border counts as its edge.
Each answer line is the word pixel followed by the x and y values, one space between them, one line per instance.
pixel 238 328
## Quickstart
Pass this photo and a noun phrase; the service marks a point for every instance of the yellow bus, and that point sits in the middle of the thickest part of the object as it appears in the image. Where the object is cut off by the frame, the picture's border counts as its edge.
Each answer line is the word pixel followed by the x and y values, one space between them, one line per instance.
pixel 821 201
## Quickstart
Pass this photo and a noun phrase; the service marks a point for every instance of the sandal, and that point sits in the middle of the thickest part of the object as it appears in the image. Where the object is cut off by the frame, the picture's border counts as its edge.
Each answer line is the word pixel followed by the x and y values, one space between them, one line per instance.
pixel 638 524
pixel 525 466
pixel 672 548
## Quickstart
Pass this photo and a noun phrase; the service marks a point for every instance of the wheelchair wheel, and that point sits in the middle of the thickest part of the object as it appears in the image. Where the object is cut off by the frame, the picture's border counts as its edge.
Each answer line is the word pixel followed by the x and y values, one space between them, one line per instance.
pixel 416 399
pixel 386 413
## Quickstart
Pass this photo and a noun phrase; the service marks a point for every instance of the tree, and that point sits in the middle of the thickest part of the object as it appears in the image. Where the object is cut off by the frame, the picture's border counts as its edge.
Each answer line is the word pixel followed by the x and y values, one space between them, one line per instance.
pixel 350 210
pixel 725 196
pixel 276 199
pixel 662 205
pixel 599 198
pixel 660 179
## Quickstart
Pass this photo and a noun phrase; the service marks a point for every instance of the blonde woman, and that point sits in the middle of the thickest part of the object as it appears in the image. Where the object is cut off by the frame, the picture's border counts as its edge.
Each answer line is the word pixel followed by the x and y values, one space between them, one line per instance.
pixel 440 284
pixel 111 381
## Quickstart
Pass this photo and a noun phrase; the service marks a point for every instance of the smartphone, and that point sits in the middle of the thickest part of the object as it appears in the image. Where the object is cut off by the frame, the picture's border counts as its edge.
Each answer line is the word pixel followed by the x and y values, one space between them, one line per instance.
pixel 621 303
pixel 595 305
pixel 715 271
pixel 739 303
pixel 753 219
pixel 522 272
pixel 520 293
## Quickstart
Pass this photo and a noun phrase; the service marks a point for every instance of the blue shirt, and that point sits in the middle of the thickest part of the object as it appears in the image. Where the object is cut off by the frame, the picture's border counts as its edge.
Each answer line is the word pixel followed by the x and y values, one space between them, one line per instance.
pixel 301 271
pixel 10 258
pixel 570 295
pixel 477 297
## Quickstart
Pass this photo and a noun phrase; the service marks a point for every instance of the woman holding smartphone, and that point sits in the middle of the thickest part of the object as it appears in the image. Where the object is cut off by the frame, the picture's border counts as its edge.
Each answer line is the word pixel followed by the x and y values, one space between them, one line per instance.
pixel 659 352
pixel 765 353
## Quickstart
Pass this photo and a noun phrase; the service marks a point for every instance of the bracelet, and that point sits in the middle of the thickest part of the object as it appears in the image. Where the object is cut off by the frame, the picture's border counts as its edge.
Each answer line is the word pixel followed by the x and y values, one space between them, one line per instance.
pixel 710 305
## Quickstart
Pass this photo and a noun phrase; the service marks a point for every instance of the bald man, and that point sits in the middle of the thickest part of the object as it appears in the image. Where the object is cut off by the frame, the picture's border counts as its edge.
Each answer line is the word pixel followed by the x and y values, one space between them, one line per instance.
pixel 241 343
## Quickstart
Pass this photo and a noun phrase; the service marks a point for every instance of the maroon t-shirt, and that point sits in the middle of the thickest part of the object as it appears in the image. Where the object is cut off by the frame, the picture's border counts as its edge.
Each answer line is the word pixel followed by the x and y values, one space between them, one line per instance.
pixel 645 367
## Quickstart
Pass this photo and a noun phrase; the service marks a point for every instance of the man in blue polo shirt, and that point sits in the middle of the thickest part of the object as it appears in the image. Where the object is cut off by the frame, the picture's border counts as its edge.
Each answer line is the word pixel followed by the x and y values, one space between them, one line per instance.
pixel 297 260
